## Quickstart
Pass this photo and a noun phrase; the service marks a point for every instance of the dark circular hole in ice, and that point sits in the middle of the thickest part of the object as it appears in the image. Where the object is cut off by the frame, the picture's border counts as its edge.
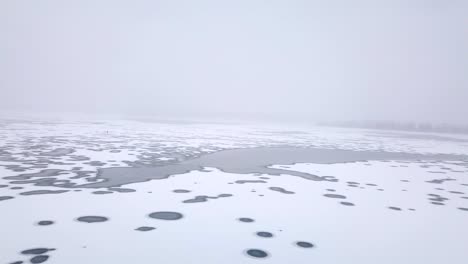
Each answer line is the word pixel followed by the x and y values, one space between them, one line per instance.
pixel 39 259
pixel 335 196
pixel 92 219
pixel 246 220
pixel 166 215
pixel 145 228
pixel 36 251
pixel 102 192
pixel 264 234
pixel 2 198
pixel 45 222
pixel 181 191
pixel 304 244
pixel 257 253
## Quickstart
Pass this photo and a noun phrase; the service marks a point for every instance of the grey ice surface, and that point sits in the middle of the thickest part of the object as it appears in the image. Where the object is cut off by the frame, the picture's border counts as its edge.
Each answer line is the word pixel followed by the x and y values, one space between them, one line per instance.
pixel 256 160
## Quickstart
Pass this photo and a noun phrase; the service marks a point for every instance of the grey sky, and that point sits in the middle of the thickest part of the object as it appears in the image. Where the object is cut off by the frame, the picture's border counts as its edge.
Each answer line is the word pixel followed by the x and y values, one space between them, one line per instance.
pixel 400 60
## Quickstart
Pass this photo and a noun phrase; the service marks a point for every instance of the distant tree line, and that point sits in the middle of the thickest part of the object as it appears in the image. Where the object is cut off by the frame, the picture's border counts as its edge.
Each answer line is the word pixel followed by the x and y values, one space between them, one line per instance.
pixel 404 126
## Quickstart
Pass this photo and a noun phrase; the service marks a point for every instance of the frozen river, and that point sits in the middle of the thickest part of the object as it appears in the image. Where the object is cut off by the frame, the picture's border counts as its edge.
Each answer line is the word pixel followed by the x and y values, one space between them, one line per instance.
pixel 168 192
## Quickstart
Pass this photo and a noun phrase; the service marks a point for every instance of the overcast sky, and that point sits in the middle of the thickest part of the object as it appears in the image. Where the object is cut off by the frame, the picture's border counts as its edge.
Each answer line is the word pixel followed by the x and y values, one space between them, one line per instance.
pixel 321 60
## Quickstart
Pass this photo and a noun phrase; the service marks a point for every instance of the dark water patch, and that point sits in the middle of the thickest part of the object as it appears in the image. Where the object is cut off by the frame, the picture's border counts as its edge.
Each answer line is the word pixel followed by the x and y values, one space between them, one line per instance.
pixel 4 198
pixel 304 244
pixel 347 203
pixel 257 253
pixel 437 199
pixel 47 177
pixel 16 188
pixel 181 191
pixel 92 219
pixel 264 178
pixel 440 181
pixel 95 163
pixel 353 183
pixel 456 192
pixel 102 192
pixel 166 215
pixel 254 160
pixel 394 208
pixel 78 158
pixel 17 262
pixel 36 251
pixel 57 152
pixel 122 190
pixel 371 184
pixel 145 228
pixel 464 197
pixel 41 192
pixel 249 181
pixel 204 198
pixel 463 208
pixel 246 220
pixel 38 167
pixel 335 196
pixel 3 186
pixel 331 190
pixel 45 222
pixel 281 190
pixel 39 259
pixel 264 234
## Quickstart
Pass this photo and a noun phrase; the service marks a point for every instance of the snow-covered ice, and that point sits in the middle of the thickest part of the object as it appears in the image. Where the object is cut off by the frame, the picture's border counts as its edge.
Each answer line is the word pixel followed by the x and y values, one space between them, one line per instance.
pixel 406 204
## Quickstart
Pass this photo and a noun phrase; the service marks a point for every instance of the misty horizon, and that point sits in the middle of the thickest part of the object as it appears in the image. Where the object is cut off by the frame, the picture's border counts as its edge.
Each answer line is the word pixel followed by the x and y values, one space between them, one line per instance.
pixel 279 60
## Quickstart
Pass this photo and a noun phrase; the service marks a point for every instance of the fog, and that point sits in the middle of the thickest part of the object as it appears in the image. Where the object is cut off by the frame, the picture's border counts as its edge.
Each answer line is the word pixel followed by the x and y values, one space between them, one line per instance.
pixel 313 60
